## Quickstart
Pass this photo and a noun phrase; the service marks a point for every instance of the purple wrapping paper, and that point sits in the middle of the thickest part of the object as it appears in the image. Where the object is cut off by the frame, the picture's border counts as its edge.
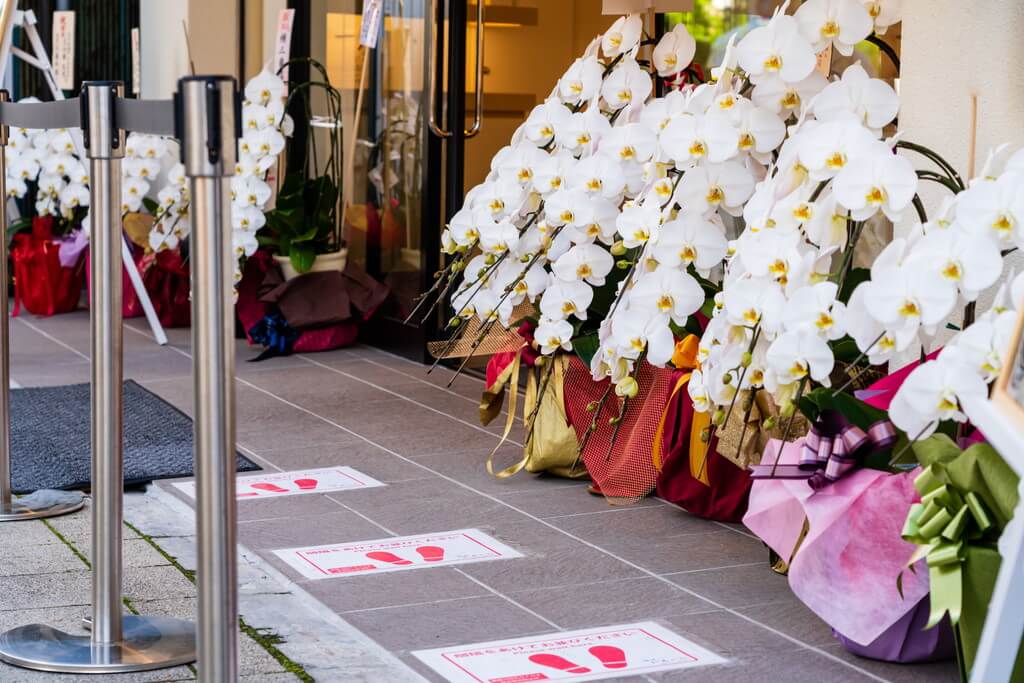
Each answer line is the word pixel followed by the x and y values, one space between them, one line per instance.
pixel 906 641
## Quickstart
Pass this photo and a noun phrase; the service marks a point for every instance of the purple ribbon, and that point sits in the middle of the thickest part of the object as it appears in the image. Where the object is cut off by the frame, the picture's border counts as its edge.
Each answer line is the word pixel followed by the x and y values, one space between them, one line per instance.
pixel 71 248
pixel 834 446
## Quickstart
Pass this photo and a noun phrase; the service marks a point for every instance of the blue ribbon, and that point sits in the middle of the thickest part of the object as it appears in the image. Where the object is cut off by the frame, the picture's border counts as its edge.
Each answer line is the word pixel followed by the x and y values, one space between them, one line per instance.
pixel 274 333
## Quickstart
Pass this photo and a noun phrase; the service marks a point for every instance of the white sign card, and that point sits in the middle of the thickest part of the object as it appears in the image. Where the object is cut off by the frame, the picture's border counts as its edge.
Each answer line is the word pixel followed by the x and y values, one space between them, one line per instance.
pixel 373 11
pixel 277 484
pixel 64 49
pixel 283 41
pixel 136 63
pixel 396 554
pixel 585 655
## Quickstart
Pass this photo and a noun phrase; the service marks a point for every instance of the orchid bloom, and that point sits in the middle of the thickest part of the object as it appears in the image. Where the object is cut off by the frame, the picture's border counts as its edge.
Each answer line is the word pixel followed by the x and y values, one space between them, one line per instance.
pixel 841 23
pixel 623 35
pixel 674 51
pixel 776 50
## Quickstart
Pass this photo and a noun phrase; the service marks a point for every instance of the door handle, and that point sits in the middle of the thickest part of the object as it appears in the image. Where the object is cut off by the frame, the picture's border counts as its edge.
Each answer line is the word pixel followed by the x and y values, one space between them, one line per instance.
pixel 432 88
pixel 478 108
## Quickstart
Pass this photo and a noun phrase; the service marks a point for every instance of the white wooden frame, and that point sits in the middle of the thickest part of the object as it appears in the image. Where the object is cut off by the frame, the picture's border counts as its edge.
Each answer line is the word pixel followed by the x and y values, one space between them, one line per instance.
pixel 1001 419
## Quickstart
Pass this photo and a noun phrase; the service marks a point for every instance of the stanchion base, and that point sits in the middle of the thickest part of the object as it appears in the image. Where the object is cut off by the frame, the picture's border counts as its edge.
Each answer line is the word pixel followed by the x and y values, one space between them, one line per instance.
pixel 42 504
pixel 150 642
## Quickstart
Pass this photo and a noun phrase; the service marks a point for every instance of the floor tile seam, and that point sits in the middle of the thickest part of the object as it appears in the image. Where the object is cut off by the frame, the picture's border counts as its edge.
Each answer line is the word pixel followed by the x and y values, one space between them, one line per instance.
pixel 592 545
pixel 43 333
pixel 408 605
pixel 467 399
pixel 467 423
pixel 740 615
pixel 712 569
pixel 420 365
pixel 611 508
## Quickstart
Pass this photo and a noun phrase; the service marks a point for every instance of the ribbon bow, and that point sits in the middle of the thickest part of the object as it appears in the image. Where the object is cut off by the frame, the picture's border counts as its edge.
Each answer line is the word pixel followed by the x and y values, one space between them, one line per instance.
pixel 942 525
pixel 273 332
pixel 834 445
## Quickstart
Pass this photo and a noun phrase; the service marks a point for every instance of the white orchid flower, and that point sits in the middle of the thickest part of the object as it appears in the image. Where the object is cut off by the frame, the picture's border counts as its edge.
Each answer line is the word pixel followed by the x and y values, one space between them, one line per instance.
pixel 502 198
pixel 698 392
pixel 545 120
pixel 691 239
pixel 907 298
pixel 581 81
pixel 58 164
pixel 247 219
pixel 144 168
pixel 464 226
pixel 132 192
pixel 635 330
pixel 564 298
pixel 599 175
pixel 691 138
pixel 587 262
pixel 583 131
pixel 712 186
pixel 880 181
pixel 518 163
pixel 638 223
pixel 553 335
pixel 780 97
pixel 627 84
pixel 491 304
pixel 884 13
pixel 674 51
pixel 622 36
pixel 935 391
pixel 264 88
pixel 969 262
pixel 826 148
pixel 551 174
pixel 267 142
pixel 826 226
pixel 799 354
pixel 841 23
pixel 497 238
pixel 994 208
pixel 249 191
pixel 755 301
pixel 776 49
pixel 667 291
pixel 760 130
pixel 872 101
pixel 870 335
pixel 244 243
pixel 985 342
pixel 816 309
pixel 631 143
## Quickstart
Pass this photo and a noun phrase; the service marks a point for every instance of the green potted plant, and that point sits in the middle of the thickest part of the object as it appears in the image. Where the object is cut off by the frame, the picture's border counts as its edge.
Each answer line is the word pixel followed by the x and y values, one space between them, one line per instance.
pixel 304 227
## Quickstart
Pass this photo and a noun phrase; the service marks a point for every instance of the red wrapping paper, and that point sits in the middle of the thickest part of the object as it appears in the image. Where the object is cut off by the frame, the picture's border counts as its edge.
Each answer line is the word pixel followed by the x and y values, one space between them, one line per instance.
pixel 41 283
pixel 166 277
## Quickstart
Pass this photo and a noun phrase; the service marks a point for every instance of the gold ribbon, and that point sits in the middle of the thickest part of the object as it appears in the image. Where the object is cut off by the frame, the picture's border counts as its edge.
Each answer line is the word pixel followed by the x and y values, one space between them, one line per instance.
pixel 942 525
pixel 684 358
pixel 490 406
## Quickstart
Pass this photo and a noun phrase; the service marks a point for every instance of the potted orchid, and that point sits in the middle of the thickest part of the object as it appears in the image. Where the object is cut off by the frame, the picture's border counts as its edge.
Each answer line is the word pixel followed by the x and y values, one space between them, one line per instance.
pixel 305 224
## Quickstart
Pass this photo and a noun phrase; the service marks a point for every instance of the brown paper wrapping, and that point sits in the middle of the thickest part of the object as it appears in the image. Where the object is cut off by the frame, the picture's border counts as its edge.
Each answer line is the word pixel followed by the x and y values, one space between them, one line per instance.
pixel 755 438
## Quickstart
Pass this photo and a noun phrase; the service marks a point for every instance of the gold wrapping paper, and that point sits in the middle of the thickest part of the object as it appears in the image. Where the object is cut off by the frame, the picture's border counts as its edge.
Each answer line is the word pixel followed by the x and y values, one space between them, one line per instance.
pixel 755 437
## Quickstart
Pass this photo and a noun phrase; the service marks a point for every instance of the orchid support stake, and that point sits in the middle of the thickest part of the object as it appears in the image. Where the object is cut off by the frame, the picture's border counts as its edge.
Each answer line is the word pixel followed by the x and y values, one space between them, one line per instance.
pixel 856 361
pixel 789 423
pixel 910 442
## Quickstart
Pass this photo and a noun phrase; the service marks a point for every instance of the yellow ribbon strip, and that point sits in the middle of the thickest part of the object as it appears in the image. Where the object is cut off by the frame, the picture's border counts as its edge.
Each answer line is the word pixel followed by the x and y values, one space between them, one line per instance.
pixel 512 377
pixel 684 358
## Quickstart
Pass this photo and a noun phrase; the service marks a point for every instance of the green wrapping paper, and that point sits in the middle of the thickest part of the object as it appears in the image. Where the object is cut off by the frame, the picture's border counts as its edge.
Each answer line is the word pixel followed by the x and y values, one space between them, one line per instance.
pixel 966 500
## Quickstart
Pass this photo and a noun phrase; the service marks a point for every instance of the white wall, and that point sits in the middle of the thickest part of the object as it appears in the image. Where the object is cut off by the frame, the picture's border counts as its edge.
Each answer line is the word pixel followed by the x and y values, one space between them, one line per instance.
pixel 163 55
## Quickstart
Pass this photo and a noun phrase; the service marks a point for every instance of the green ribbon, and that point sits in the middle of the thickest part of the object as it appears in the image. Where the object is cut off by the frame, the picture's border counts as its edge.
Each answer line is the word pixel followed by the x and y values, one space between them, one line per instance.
pixel 942 525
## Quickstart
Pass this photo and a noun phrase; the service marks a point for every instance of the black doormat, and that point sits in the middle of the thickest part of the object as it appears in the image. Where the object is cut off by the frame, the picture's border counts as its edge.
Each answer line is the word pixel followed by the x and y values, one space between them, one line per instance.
pixel 50 438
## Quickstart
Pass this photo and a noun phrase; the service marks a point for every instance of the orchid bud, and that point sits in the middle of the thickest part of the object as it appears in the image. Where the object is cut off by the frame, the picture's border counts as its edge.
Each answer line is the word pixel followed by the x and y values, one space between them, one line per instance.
pixel 623 264
pixel 614 421
pixel 746 359
pixel 455 321
pixel 540 362
pixel 490 259
pixel 592 406
pixel 628 388
pixel 727 378
pixel 618 249
pixel 718 417
pixel 769 423
pixel 788 409
pixel 458 266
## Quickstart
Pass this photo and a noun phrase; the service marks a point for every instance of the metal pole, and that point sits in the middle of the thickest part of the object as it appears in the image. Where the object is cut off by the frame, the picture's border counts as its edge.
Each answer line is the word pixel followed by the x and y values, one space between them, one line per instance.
pixel 118 643
pixel 208 129
pixel 43 503
pixel 104 148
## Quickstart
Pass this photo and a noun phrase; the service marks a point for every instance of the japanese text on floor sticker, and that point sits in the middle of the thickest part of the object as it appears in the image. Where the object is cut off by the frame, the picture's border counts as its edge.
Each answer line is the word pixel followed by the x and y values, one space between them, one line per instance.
pixel 276 484
pixel 396 554
pixel 584 655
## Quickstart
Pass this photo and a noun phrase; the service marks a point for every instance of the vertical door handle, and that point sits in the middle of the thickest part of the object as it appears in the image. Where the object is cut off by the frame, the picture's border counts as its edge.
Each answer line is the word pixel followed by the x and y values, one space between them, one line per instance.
pixel 431 42
pixel 478 109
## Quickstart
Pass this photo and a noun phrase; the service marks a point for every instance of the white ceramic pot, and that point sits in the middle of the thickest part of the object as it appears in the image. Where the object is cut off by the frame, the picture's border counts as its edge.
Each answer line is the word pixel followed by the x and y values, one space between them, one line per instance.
pixel 323 262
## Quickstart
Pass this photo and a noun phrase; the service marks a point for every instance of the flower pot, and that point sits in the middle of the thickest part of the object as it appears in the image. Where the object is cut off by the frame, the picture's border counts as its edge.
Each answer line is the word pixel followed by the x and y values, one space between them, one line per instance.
pixel 322 263
pixel 41 283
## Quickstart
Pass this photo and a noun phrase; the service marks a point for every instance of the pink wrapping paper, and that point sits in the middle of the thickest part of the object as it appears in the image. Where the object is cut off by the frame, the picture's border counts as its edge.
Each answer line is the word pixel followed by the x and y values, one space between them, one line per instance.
pixel 846 568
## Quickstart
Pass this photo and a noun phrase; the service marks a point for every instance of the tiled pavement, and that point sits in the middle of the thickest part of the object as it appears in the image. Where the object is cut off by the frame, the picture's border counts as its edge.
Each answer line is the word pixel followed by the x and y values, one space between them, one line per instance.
pixel 585 563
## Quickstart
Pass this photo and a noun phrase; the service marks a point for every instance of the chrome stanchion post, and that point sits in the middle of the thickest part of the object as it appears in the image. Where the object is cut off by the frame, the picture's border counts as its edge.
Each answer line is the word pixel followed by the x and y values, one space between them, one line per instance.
pixel 41 503
pixel 118 642
pixel 208 122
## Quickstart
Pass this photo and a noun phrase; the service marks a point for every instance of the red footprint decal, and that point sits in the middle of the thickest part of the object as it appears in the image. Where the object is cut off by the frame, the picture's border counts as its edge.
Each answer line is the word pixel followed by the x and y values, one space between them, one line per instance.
pixel 611 657
pixel 306 484
pixel 273 488
pixel 390 558
pixel 560 663
pixel 431 553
